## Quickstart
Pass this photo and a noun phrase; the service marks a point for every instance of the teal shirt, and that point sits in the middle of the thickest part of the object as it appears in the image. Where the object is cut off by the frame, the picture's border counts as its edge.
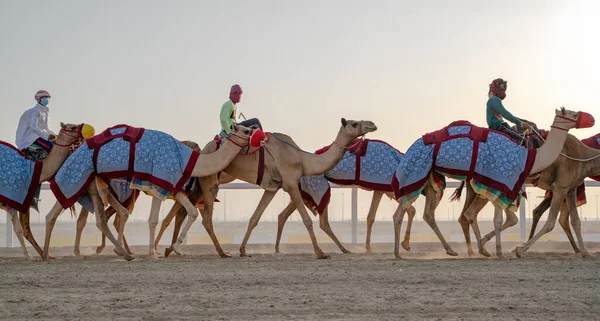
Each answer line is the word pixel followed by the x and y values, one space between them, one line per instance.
pixel 495 113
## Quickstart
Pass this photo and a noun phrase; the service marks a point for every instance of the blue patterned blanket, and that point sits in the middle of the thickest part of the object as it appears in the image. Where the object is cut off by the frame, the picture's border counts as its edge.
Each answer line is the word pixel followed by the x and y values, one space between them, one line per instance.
pixel 497 165
pixel 377 161
pixel 152 161
pixel 19 178
pixel 120 189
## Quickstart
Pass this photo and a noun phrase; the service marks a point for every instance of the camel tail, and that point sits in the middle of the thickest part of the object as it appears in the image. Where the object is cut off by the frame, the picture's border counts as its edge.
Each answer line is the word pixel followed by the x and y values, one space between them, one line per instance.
pixel 73 211
pixel 458 192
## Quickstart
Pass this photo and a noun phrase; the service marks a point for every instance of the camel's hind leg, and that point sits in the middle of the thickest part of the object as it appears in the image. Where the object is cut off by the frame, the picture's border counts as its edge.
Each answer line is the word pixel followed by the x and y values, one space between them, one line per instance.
pixel 511 220
pixel 179 219
pixel 14 217
pixel 292 189
pixel 152 222
pixel 375 200
pixel 123 215
pixel 575 221
pixel 398 218
pixel 192 212
pixel 260 209
pixel 468 217
pixel 117 225
pixel 207 222
pixel 537 214
pixel 102 224
pixel 324 224
pixel 281 219
pixel 563 220
pixel 431 203
pixel 411 211
pixel 26 226
pixel 110 211
pixel 81 221
pixel 50 222
pixel 165 224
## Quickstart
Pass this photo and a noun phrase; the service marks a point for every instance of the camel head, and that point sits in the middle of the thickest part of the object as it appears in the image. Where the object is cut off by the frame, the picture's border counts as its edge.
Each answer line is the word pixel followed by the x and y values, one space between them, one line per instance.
pixel 241 135
pixel 71 134
pixel 354 128
pixel 566 119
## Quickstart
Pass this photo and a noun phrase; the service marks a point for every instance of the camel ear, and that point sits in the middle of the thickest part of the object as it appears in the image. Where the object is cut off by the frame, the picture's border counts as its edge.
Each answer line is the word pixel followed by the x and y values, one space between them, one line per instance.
pixel 235 127
pixel 63 126
pixel 344 122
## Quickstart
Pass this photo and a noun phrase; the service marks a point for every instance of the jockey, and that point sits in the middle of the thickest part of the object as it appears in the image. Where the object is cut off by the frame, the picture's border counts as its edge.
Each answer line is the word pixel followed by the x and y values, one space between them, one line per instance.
pixel 496 113
pixel 229 109
pixel 33 135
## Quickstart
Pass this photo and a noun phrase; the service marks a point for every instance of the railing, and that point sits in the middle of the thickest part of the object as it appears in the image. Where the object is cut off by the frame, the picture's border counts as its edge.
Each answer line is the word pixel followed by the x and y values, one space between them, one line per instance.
pixel 354 207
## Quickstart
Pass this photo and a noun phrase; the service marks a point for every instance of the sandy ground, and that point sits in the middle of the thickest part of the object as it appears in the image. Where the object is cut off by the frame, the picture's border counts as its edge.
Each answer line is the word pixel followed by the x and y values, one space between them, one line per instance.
pixel 551 283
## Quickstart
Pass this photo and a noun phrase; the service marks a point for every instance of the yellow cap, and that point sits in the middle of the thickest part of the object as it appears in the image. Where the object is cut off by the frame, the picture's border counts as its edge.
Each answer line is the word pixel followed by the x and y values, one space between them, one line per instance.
pixel 87 131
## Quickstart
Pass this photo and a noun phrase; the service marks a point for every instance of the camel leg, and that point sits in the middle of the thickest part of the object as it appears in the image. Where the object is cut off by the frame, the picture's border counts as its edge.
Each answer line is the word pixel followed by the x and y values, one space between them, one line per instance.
pixel 431 203
pixel 14 217
pixel 81 221
pixel 102 224
pixel 375 200
pixel 262 205
pixel 117 225
pixel 50 222
pixel 498 230
pixel 152 222
pixel 558 198
pixel 179 219
pixel 468 216
pixel 464 225
pixel 281 219
pixel 110 211
pixel 26 226
pixel 294 192
pixel 411 211
pixel 563 220
pixel 324 224
pixel 537 214
pixel 575 221
pixel 398 218
pixel 511 220
pixel 208 223
pixel 123 215
pixel 165 224
pixel 192 216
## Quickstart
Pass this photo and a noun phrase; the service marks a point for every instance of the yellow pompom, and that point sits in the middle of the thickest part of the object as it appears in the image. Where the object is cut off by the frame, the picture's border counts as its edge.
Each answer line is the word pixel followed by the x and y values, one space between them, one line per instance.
pixel 87 131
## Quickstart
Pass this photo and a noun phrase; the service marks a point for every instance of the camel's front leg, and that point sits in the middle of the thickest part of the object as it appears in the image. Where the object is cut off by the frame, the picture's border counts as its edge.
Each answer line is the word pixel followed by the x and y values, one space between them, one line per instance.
pixel 192 212
pixel 81 221
pixel 26 226
pixel 558 197
pixel 537 214
pixel 14 217
pixel 260 209
pixel 179 219
pixel 50 221
pixel 110 211
pixel 398 218
pixel 511 220
pixel 281 219
pixel 411 211
pixel 208 223
pixel 324 224
pixel 152 222
pixel 575 221
pixel 117 225
pixel 123 215
pixel 165 224
pixel 101 223
pixel 498 230
pixel 296 197
pixel 431 203
pixel 563 220
pixel 375 200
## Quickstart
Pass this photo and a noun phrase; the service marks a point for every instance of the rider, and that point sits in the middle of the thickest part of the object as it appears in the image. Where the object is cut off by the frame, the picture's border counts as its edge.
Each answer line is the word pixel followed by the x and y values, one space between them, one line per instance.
pixel 229 109
pixel 33 135
pixel 496 113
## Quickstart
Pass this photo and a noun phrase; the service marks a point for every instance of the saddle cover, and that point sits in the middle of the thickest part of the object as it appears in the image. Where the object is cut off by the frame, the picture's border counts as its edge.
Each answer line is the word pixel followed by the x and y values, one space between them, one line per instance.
pixel 495 164
pixel 376 161
pixel 19 178
pixel 150 160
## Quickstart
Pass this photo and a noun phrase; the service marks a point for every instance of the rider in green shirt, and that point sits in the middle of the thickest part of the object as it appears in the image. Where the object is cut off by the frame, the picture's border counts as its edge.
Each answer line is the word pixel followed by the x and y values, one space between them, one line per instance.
pixel 229 112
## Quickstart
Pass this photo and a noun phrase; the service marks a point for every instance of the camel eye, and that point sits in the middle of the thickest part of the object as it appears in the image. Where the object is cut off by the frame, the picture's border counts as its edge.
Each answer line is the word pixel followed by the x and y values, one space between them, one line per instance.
pixel 246 132
pixel 354 125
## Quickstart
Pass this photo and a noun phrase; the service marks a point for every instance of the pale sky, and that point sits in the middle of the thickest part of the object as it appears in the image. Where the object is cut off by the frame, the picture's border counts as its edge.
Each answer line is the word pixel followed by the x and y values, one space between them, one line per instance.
pixel 409 67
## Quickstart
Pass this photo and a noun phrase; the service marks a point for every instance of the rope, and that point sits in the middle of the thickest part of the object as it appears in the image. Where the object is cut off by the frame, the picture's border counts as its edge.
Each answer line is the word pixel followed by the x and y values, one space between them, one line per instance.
pixel 294 147
pixel 564 155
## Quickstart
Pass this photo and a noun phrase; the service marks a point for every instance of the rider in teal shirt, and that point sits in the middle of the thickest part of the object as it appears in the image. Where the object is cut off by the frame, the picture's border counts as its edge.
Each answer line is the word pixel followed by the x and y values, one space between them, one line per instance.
pixel 496 113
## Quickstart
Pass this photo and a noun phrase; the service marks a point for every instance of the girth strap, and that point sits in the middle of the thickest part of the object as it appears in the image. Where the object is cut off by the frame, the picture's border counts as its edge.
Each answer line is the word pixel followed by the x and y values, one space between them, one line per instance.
pixel 131 134
pixel 261 166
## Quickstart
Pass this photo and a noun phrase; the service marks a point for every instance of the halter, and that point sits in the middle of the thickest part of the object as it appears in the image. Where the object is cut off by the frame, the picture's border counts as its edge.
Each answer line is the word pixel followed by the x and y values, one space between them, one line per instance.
pixel 78 136
pixel 568 121
pixel 564 155
pixel 362 137
pixel 244 137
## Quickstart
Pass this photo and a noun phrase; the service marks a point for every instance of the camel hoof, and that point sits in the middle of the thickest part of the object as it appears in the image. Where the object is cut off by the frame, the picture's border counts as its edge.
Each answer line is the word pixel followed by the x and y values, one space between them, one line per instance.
pixel 501 257
pixel 177 249
pixel 398 257
pixel 119 252
pixel 346 251
pixel 168 251
pixel 451 252
pixel 484 252
pixel 128 257
pixel 576 250
pixel 99 249
pixel 406 245
pixel 323 257
pixel 368 250
pixel 519 251
pixel 472 254
pixel 244 254
pixel 225 255
pixel 586 254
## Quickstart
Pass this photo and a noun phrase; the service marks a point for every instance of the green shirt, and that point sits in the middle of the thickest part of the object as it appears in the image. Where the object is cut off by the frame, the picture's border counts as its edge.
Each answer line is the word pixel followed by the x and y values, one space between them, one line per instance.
pixel 227 116
pixel 495 113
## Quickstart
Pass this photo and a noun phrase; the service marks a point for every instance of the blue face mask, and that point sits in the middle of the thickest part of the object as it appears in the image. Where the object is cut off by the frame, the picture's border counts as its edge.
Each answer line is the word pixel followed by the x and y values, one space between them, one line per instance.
pixel 44 101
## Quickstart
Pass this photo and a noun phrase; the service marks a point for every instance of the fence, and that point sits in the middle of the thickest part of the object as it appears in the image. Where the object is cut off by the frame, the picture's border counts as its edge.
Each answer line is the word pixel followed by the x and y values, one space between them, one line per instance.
pixel 354 207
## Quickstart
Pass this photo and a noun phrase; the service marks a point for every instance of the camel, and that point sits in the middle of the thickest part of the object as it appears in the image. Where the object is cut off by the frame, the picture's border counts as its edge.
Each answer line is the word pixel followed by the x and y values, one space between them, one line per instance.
pixel 284 166
pixel 377 189
pixel 69 135
pixel 110 211
pixel 546 155
pixel 203 165
pixel 573 165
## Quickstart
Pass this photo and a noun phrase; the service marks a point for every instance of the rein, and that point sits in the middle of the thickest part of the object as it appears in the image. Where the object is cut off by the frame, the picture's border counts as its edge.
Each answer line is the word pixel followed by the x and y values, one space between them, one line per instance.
pixel 76 143
pixel 582 160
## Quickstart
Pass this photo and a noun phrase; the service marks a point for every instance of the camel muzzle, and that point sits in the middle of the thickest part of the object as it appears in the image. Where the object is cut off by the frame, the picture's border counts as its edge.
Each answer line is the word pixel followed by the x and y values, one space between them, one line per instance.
pixel 585 120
